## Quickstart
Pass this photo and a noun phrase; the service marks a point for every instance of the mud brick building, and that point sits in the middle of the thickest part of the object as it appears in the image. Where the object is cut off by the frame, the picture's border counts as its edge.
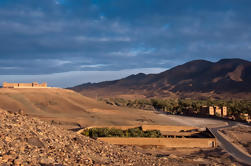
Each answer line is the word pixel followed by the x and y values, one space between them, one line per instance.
pixel 24 85
pixel 214 111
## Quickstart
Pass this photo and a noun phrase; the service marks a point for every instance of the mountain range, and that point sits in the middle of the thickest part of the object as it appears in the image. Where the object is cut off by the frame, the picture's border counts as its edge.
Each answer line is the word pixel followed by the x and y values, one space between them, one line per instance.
pixel 229 78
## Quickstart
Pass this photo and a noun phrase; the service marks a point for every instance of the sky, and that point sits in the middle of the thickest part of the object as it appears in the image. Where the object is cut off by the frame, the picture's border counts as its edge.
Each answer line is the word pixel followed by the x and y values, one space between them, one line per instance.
pixel 70 42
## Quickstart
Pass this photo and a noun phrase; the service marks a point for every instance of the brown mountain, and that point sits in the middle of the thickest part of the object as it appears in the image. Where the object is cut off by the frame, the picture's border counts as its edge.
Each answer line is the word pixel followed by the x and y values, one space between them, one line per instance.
pixel 199 78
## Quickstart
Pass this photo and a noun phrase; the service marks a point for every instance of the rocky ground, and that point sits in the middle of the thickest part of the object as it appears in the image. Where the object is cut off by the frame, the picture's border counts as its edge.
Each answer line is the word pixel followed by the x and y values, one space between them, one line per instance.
pixel 30 141
pixel 192 156
pixel 240 136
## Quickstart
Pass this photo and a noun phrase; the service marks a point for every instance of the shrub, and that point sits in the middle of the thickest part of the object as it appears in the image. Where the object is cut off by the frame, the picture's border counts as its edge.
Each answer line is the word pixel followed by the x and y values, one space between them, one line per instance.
pixel 112 132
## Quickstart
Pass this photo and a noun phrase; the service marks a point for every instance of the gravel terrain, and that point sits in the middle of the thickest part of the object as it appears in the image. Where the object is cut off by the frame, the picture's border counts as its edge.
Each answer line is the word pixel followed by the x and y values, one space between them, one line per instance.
pixel 29 141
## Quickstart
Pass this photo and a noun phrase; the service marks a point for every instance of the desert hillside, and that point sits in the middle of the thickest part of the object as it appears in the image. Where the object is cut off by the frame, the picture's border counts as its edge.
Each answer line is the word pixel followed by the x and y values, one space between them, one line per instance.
pixel 29 141
pixel 55 104
pixel 73 110
pixel 70 109
pixel 65 107
pixel 227 78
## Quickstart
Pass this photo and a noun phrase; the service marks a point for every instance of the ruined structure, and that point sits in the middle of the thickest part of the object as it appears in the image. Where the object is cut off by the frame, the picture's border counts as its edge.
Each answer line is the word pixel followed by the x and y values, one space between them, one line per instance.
pixel 24 85
pixel 214 111
pixel 174 136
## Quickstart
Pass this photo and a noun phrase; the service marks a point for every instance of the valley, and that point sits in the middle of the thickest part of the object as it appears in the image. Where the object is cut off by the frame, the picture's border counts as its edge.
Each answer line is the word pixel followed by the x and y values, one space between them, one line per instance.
pixel 46 115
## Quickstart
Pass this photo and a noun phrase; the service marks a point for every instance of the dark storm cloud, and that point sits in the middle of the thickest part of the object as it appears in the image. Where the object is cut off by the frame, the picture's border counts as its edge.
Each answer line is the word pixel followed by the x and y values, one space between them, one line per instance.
pixel 53 36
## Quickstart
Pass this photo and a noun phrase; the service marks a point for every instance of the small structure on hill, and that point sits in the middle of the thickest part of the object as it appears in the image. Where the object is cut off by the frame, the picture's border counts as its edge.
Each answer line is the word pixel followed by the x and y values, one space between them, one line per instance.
pixel 245 117
pixel 214 111
pixel 24 85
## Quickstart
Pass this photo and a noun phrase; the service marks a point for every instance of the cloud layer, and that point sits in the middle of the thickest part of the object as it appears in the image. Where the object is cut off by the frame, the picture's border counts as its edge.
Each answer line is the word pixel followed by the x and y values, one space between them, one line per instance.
pixel 55 36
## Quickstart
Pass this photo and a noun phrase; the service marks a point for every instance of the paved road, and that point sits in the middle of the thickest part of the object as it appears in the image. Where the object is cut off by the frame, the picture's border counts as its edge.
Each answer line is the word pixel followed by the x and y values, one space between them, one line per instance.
pixel 225 144
pixel 236 153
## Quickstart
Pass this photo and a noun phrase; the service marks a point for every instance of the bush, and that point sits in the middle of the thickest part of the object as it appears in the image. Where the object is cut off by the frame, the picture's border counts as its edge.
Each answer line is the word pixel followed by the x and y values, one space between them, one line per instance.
pixel 112 132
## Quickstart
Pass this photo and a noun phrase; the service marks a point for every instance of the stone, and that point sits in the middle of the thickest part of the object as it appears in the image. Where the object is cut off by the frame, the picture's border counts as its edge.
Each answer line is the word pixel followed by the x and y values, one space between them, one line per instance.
pixel 35 142
pixel 45 160
pixel 172 156
pixel 21 112
pixel 199 160
pixel 8 139
pixel 5 158
pixel 17 162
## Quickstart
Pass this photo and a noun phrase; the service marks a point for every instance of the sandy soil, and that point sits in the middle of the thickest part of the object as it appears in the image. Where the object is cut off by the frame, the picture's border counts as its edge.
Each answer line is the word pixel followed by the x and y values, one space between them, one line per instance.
pixel 240 136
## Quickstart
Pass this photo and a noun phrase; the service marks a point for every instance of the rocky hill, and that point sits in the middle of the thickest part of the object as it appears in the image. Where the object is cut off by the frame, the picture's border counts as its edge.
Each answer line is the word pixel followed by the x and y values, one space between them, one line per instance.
pixel 199 78
pixel 29 141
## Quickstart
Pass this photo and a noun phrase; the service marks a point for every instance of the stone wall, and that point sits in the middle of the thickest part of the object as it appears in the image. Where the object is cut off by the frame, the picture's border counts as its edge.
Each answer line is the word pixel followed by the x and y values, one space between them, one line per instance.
pixel 168 128
pixel 167 142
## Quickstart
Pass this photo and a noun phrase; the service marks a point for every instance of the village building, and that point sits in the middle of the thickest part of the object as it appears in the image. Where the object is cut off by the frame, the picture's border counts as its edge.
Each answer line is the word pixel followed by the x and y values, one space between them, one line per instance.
pixel 245 117
pixel 205 110
pixel 214 111
pixel 217 111
pixel 24 85
pixel 211 110
pixel 224 111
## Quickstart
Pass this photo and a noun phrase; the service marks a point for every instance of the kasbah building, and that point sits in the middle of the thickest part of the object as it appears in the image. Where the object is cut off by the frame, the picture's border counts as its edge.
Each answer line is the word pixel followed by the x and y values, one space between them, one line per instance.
pixel 25 85
pixel 215 111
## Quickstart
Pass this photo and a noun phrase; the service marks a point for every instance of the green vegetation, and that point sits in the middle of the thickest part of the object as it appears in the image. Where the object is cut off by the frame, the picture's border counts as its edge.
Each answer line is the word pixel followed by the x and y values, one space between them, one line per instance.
pixel 112 132
pixel 182 106
pixel 235 107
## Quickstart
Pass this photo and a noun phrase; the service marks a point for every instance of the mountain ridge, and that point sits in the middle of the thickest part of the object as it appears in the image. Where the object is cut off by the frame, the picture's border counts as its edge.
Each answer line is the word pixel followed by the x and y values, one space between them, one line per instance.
pixel 227 76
